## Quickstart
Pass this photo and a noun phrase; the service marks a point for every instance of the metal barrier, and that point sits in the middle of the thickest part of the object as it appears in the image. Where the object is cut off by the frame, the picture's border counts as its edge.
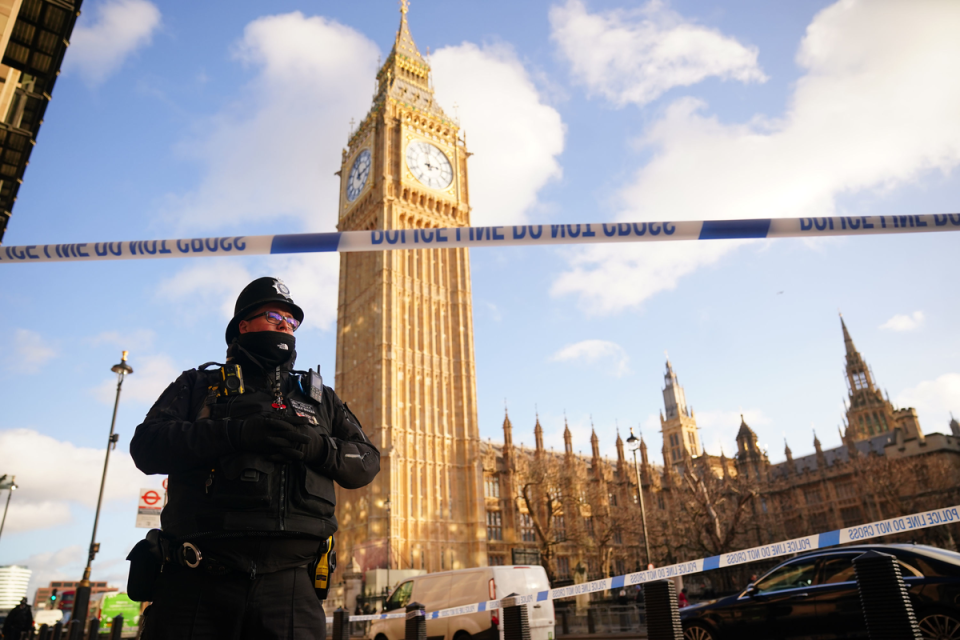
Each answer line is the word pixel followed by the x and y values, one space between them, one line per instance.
pixel 341 624
pixel 603 618
pixel 515 618
pixel 416 627
pixel 887 609
pixel 663 615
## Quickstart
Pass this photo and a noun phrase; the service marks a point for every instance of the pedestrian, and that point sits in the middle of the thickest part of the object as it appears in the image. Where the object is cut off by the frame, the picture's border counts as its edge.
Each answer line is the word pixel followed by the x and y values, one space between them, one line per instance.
pixel 18 620
pixel 682 600
pixel 252 449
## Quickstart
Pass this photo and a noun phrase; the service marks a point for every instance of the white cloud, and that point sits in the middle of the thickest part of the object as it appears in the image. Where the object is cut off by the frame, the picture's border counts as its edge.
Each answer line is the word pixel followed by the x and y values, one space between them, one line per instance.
pixel 875 109
pixel 51 474
pixel 934 400
pixel 206 285
pixel 609 278
pixel 215 284
pixel 636 56
pixel 120 27
pixel 29 352
pixel 513 157
pixel 901 322
pixel 133 340
pixel 718 428
pixel 53 565
pixel 595 352
pixel 274 152
pixel 151 375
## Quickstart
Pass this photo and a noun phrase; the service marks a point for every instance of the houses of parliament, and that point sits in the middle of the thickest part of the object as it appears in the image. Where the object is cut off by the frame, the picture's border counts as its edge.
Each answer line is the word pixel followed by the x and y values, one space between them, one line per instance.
pixel 444 499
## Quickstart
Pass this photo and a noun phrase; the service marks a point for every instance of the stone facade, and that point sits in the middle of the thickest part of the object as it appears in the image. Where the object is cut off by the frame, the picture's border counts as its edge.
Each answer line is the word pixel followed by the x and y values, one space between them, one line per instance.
pixel 885 467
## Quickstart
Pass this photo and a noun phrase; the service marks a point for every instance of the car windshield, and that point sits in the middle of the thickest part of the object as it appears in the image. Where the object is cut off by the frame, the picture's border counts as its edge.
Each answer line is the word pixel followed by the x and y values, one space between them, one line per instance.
pixel 791 576
pixel 401 596
pixel 950 557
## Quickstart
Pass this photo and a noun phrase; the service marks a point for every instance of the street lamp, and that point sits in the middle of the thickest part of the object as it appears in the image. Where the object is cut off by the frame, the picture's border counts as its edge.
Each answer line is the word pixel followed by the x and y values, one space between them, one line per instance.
pixel 81 602
pixel 386 505
pixel 11 486
pixel 633 443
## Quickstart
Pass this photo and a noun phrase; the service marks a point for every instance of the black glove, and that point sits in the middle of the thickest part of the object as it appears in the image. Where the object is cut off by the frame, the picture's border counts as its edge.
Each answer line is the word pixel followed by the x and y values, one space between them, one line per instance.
pixel 273 437
pixel 316 444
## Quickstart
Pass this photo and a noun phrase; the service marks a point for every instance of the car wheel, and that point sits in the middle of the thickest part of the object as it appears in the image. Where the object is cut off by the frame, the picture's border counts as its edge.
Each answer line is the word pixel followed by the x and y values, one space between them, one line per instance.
pixel 698 632
pixel 939 626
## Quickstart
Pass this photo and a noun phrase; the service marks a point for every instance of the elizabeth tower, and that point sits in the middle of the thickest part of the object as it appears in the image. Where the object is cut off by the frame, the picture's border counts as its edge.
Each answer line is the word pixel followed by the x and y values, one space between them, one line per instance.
pixel 405 361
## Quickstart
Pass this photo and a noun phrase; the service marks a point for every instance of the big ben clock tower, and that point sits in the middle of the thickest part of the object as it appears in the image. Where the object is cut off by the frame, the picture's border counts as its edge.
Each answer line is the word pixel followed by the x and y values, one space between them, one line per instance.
pixel 405 360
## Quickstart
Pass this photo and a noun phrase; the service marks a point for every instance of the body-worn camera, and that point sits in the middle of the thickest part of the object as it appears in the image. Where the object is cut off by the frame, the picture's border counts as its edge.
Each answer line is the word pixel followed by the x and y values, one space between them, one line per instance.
pixel 231 380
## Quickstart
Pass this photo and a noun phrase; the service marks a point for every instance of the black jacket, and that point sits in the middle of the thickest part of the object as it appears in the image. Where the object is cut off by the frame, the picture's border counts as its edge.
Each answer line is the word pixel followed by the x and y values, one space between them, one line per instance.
pixel 216 491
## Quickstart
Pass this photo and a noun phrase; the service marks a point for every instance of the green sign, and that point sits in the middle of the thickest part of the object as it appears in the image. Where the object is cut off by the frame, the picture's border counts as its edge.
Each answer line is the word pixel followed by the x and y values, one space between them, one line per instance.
pixel 117 603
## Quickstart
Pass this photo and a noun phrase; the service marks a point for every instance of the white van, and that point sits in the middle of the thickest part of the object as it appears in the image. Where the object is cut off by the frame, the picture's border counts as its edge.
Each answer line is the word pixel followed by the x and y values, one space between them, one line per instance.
pixel 437 591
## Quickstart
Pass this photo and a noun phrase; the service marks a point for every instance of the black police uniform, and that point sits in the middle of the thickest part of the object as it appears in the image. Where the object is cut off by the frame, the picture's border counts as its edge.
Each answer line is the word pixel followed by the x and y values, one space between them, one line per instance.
pixel 242 528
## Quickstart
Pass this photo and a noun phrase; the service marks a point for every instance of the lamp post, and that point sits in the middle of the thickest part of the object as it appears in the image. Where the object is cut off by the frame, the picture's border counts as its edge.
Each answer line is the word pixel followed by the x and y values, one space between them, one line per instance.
pixel 81 602
pixel 634 443
pixel 11 486
pixel 386 505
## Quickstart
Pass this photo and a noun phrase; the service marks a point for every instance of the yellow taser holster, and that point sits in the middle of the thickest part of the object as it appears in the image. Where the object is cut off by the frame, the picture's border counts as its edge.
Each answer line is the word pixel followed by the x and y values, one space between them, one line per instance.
pixel 326 565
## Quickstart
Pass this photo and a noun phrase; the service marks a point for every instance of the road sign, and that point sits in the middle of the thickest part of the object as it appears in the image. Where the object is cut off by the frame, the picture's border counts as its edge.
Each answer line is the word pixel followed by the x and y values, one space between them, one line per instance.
pixel 148 511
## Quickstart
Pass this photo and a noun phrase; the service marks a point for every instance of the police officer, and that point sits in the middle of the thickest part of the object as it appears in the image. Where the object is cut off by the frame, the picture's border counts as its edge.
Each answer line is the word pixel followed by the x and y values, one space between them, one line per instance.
pixel 252 448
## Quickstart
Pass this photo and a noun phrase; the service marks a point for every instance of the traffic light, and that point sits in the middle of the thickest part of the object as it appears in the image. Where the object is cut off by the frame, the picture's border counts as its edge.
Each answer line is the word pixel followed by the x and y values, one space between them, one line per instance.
pixel 53 598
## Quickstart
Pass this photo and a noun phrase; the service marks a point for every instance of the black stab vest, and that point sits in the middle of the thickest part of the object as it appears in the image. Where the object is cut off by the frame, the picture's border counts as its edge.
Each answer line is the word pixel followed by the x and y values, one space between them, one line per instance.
pixel 246 494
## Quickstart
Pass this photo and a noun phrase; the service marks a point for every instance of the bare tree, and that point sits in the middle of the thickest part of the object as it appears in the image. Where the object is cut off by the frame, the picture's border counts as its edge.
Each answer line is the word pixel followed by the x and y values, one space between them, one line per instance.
pixel 540 493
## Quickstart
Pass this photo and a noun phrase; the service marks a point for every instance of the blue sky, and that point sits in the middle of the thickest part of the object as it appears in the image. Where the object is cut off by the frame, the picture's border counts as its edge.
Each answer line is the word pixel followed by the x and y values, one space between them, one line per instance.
pixel 176 119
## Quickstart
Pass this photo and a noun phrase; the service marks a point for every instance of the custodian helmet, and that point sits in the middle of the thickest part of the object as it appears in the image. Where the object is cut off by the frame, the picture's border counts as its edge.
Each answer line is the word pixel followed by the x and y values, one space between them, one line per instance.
pixel 256 294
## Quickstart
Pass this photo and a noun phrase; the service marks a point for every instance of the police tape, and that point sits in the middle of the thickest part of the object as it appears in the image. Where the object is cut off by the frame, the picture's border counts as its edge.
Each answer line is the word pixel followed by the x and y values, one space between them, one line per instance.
pixel 442 238
pixel 902 524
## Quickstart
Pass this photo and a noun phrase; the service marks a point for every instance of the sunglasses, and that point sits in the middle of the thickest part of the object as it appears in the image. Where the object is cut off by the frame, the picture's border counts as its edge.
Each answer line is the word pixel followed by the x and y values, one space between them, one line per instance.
pixel 276 318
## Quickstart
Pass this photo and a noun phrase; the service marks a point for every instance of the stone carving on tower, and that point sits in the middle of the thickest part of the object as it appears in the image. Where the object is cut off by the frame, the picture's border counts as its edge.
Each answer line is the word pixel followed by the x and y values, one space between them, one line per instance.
pixel 405 357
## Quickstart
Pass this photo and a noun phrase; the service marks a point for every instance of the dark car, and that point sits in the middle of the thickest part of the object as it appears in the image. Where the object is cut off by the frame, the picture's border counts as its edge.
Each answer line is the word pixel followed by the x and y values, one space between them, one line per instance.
pixel 815 596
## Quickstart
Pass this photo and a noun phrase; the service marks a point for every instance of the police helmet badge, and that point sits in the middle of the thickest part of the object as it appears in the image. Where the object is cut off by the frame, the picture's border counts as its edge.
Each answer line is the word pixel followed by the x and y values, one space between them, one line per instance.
pixel 281 288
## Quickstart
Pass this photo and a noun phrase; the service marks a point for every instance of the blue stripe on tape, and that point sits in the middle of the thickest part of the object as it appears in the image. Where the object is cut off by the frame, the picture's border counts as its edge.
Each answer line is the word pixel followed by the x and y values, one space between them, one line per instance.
pixel 305 243
pixel 542 595
pixel 482 607
pixel 829 539
pixel 617 582
pixel 732 229
pixel 713 562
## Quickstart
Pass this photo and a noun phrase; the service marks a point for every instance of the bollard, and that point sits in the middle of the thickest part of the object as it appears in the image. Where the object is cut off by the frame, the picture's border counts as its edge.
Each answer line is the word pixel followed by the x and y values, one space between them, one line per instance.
pixel 57 631
pixel 663 615
pixel 591 620
pixel 516 622
pixel 74 630
pixel 564 621
pixel 887 609
pixel 44 632
pixel 116 627
pixel 341 624
pixel 416 628
pixel 93 629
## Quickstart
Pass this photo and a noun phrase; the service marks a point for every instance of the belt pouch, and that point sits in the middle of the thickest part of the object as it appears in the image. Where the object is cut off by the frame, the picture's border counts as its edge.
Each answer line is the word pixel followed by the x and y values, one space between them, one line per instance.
pixel 145 558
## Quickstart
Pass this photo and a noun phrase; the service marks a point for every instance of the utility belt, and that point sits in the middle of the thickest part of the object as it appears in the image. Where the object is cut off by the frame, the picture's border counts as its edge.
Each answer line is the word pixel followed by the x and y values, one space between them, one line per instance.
pixel 157 553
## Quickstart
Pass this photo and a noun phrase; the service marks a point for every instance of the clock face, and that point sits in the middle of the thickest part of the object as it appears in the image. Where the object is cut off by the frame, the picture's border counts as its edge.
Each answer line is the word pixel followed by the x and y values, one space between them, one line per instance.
pixel 359 173
pixel 429 165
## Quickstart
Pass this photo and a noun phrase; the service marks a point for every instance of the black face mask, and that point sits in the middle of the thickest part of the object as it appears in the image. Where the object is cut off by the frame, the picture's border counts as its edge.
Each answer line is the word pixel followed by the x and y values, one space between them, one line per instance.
pixel 270 348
